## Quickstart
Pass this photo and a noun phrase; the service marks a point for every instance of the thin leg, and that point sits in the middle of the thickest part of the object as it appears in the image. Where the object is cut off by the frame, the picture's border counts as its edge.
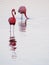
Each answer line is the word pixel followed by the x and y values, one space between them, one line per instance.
pixel 10 30
pixel 21 16
pixel 13 30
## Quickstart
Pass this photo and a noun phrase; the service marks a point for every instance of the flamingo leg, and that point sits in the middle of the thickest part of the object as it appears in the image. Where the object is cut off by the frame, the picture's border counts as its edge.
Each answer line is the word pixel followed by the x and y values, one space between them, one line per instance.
pixel 10 30
pixel 13 30
pixel 21 16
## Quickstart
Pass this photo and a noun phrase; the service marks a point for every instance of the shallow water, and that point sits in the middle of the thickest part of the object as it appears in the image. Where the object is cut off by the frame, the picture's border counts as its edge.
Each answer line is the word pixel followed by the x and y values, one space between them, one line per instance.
pixel 32 35
pixel 32 45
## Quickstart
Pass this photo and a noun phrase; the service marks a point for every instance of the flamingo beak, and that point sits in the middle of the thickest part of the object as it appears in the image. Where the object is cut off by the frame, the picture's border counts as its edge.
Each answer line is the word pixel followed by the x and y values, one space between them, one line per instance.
pixel 15 13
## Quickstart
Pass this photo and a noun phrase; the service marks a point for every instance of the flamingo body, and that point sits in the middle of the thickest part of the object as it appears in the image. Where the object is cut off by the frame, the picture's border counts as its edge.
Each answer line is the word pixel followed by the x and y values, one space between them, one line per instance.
pixel 12 21
pixel 22 10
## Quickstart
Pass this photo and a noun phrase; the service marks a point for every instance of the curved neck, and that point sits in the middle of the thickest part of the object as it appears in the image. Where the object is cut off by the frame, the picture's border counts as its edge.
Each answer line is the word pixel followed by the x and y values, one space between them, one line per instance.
pixel 13 13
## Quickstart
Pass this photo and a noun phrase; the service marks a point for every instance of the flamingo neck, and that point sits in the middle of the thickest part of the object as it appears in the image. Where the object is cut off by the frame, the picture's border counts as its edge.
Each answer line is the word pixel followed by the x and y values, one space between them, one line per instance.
pixel 26 16
pixel 13 13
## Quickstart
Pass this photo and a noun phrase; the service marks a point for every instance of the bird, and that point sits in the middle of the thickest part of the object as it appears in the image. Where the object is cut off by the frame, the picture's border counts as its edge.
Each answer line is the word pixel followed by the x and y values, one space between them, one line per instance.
pixel 12 20
pixel 22 10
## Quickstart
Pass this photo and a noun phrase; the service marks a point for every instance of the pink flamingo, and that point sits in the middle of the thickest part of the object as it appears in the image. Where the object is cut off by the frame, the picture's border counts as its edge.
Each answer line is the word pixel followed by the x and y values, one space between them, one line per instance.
pixel 22 10
pixel 12 20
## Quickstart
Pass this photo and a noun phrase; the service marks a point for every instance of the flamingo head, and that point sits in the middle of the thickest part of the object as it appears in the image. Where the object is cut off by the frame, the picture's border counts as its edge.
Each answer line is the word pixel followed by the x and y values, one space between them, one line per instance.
pixel 13 12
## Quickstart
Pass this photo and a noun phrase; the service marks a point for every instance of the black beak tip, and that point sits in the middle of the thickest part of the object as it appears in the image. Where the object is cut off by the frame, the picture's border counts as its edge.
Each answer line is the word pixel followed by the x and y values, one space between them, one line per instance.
pixel 15 13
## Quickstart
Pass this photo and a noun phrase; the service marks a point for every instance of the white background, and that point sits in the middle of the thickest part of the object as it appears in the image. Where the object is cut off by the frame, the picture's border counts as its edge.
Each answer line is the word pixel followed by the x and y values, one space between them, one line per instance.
pixel 32 45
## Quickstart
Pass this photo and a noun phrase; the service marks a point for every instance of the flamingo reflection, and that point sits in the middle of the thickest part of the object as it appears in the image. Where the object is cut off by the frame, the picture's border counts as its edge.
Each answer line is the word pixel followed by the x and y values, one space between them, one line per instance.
pixel 12 44
pixel 23 25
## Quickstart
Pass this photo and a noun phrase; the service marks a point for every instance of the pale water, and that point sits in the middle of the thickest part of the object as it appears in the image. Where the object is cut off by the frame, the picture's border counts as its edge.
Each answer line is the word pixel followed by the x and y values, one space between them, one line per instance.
pixel 32 47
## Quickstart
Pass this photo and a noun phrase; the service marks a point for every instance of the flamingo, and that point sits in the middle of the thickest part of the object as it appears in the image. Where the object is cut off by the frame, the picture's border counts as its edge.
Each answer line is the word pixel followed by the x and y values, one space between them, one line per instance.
pixel 12 20
pixel 22 10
